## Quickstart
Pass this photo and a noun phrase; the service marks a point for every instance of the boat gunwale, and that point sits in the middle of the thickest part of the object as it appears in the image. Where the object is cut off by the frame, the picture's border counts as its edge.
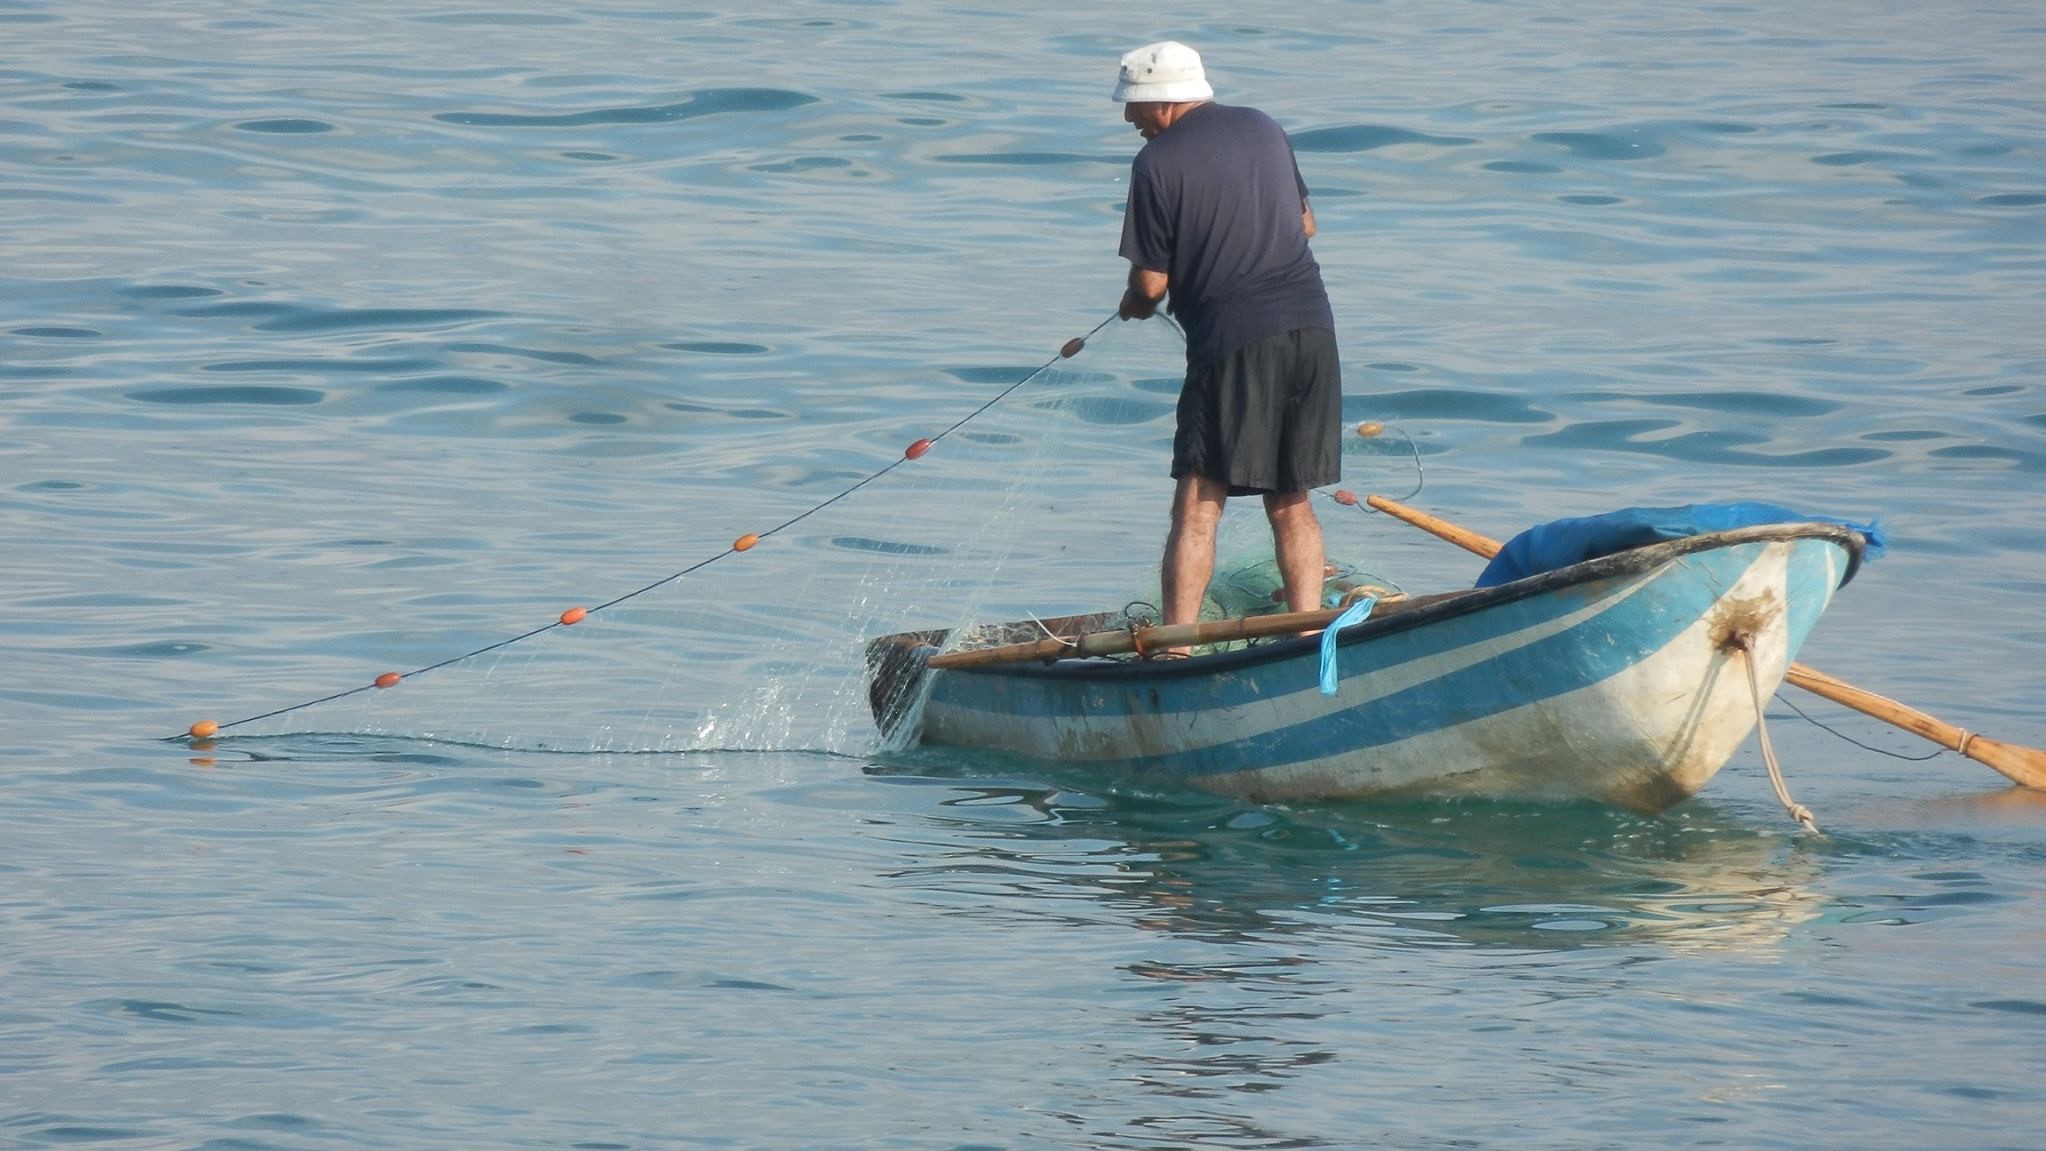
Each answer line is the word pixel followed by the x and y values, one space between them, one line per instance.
pixel 1621 563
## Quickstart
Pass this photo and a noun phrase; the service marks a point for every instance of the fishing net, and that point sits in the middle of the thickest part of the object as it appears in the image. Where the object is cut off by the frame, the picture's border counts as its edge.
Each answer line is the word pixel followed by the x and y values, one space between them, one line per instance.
pixel 1024 510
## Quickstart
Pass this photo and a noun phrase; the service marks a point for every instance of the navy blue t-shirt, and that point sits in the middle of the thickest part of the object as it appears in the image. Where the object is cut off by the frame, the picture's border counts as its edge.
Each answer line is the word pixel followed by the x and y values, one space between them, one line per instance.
pixel 1215 204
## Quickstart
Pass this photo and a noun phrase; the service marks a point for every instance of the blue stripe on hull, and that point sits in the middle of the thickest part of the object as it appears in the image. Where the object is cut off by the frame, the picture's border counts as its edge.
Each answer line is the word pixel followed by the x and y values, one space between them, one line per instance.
pixel 1516 653
pixel 1082 688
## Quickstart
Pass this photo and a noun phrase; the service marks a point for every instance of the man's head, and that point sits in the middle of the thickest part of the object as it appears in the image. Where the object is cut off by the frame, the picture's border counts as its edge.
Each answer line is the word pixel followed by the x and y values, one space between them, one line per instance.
pixel 1159 82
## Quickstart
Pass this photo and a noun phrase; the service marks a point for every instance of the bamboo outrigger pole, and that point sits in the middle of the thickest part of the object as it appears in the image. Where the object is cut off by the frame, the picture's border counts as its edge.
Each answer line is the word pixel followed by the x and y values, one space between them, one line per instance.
pixel 2023 765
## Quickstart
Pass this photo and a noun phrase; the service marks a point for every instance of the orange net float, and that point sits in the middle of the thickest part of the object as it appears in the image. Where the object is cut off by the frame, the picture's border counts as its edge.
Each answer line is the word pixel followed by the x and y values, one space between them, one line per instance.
pixel 388 679
pixel 1072 347
pixel 204 729
pixel 1369 428
pixel 573 616
pixel 1346 497
pixel 745 543
pixel 916 450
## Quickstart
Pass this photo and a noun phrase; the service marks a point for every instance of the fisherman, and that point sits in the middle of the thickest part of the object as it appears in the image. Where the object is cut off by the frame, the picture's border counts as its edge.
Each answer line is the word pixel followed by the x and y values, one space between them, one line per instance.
pixel 1218 217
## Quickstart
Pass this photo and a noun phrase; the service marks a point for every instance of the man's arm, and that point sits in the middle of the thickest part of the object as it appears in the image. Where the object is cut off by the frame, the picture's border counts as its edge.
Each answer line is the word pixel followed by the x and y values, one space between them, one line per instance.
pixel 1307 218
pixel 1146 288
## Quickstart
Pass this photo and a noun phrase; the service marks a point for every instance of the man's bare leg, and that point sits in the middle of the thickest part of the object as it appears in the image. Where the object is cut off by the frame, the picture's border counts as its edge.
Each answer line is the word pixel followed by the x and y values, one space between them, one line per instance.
pixel 1296 540
pixel 1190 548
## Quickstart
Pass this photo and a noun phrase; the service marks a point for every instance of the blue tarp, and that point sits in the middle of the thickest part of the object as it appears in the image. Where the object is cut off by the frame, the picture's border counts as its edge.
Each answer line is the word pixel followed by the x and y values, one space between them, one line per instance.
pixel 1560 543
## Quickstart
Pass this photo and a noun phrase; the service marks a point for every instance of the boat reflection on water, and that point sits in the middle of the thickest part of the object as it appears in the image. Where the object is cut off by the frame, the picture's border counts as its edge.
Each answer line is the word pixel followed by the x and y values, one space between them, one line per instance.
pixel 1279 968
pixel 1422 874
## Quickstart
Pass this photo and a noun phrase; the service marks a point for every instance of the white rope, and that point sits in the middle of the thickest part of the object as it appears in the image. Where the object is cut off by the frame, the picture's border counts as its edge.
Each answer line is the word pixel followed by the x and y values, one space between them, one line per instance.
pixel 1049 634
pixel 1797 811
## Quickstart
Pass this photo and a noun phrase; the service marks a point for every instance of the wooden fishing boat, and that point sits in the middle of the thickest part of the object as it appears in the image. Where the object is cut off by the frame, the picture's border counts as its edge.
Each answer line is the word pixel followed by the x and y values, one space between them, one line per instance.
pixel 1621 679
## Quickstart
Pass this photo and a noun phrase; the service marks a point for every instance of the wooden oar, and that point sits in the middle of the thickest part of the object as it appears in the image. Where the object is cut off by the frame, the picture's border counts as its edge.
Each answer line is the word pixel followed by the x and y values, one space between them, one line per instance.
pixel 1143 638
pixel 2024 765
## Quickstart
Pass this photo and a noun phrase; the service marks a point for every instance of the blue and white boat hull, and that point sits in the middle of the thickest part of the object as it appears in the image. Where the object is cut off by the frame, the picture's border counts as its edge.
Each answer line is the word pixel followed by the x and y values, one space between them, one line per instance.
pixel 1620 679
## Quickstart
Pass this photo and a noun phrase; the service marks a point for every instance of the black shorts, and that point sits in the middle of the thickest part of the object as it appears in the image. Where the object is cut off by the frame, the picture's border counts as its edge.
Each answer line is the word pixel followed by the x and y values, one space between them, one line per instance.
pixel 1267 417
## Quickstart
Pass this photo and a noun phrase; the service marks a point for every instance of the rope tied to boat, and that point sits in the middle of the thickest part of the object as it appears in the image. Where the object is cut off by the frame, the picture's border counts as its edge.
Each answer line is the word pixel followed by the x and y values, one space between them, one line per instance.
pixel 1064 641
pixel 1796 810
pixel 1134 622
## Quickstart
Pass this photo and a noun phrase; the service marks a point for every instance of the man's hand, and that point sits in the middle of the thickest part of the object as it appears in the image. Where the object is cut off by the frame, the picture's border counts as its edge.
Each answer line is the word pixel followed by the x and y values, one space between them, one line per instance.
pixel 1140 300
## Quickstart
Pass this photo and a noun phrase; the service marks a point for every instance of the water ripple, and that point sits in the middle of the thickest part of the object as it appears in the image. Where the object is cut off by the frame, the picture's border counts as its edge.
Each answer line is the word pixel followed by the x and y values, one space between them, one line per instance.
pixel 707 102
pixel 1601 145
pixel 238 395
pixel 1366 137
pixel 286 126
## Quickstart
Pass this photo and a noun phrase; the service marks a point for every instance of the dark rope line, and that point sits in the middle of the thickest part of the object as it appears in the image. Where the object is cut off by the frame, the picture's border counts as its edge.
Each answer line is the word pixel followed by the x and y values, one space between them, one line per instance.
pixel 1069 350
pixel 892 465
pixel 282 710
pixel 1838 734
pixel 1072 348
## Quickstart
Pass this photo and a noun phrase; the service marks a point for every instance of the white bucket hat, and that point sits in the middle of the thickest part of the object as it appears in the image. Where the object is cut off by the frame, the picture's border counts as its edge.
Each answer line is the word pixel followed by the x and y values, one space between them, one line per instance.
pixel 1167 72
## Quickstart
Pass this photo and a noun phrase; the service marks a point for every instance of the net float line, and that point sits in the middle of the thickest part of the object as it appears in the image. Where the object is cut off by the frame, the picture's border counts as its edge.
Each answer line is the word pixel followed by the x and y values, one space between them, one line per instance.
pixel 206 729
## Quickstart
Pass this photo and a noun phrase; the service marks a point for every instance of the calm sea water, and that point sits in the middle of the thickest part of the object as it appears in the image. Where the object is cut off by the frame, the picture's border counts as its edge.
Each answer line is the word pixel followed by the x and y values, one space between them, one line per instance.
pixel 337 339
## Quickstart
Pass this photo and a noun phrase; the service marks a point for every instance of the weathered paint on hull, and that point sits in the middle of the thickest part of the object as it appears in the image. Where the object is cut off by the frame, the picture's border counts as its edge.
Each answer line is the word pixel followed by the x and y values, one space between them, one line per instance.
pixel 1627 687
